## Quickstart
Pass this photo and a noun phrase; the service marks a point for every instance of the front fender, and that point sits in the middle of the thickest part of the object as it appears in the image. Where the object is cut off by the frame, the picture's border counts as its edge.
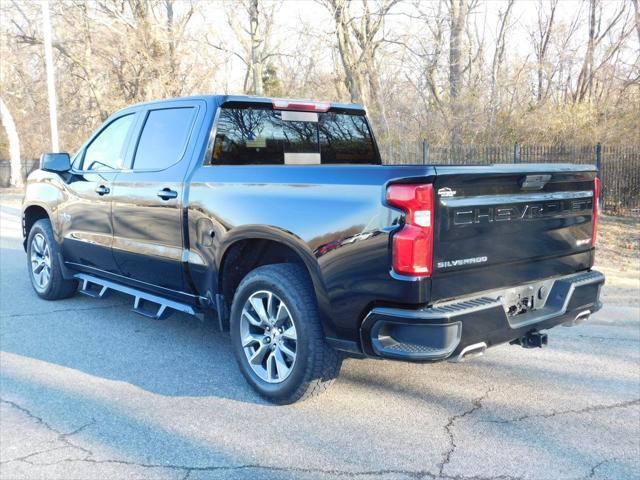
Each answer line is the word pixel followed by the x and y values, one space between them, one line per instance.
pixel 42 191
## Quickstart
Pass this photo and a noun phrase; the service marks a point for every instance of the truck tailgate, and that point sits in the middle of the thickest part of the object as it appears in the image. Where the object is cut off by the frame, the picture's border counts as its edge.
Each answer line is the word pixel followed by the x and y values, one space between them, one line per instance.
pixel 503 225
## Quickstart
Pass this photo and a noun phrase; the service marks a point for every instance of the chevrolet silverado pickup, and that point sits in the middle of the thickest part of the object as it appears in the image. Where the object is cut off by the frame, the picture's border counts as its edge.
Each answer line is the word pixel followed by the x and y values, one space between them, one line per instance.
pixel 277 220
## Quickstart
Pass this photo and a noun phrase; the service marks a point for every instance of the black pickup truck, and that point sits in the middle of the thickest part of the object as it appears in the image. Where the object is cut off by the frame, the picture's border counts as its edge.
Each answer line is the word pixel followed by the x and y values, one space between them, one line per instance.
pixel 276 218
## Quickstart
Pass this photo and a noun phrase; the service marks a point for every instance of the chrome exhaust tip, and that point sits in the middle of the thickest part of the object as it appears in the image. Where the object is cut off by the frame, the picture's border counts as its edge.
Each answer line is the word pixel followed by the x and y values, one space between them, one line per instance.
pixel 580 318
pixel 469 351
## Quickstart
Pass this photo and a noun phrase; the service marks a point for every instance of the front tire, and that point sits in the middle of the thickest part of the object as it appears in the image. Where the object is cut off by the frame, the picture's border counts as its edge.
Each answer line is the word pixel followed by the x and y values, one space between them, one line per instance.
pixel 43 262
pixel 277 336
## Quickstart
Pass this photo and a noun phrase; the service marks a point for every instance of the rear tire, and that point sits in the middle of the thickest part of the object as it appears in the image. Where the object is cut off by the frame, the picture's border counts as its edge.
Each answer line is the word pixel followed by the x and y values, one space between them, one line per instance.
pixel 43 263
pixel 292 360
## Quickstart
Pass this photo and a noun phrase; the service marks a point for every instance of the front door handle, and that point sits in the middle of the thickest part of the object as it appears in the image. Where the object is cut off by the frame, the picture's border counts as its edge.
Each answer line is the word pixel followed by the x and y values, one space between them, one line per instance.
pixel 167 193
pixel 102 190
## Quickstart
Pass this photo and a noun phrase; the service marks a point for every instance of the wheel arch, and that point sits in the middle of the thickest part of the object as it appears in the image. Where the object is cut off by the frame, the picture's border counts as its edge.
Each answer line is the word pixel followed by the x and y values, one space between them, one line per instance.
pixel 252 247
pixel 30 215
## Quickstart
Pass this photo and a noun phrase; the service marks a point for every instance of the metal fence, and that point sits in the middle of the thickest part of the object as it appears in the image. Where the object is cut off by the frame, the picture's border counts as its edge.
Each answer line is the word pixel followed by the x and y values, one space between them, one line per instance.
pixel 618 166
pixel 5 170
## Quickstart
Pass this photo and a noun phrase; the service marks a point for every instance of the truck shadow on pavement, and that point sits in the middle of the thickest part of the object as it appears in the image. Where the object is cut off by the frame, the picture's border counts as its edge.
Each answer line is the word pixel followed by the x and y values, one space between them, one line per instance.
pixel 180 356
pixel 135 384
pixel 105 438
pixel 183 356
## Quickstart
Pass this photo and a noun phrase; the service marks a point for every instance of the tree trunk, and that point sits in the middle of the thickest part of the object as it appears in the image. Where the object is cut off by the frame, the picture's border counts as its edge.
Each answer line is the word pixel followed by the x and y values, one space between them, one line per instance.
pixel 353 77
pixel 584 86
pixel 375 93
pixel 459 10
pixel 172 88
pixel 591 47
pixel 545 31
pixel 256 41
pixel 636 6
pixel 14 145
pixel 498 59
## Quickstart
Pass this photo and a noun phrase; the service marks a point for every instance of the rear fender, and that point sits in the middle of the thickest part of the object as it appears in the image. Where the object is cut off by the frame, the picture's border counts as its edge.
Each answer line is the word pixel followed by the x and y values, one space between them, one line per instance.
pixel 297 245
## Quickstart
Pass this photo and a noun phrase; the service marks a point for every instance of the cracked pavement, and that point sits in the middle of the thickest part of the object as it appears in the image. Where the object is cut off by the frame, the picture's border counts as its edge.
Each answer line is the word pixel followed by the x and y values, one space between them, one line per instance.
pixel 90 390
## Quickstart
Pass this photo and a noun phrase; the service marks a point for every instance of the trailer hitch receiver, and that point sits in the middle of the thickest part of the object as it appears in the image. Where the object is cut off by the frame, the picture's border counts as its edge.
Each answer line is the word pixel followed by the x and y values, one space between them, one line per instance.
pixel 533 339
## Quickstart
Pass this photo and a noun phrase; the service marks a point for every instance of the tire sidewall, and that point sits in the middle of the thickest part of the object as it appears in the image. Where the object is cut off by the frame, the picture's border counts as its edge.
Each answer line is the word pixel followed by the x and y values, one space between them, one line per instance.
pixel 275 391
pixel 40 227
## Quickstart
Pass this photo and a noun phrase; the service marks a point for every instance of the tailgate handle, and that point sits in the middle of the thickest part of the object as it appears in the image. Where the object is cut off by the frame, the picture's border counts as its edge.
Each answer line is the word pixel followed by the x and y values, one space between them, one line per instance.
pixel 534 182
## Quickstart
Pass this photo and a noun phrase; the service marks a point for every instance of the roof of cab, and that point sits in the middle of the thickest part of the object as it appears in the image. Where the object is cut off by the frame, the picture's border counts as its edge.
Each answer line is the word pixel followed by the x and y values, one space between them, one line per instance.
pixel 217 100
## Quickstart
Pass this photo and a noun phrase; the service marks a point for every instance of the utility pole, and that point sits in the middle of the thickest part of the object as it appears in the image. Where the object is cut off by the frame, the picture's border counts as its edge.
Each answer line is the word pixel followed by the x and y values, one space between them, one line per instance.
pixel 51 87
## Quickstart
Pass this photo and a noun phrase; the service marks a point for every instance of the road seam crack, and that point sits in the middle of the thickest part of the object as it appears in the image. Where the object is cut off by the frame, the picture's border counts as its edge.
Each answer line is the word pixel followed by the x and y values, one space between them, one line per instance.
pixel 61 436
pixel 38 314
pixel 592 408
pixel 476 405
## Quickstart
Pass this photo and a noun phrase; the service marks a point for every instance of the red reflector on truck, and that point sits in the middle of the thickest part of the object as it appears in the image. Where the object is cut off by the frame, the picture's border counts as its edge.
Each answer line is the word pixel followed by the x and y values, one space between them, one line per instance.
pixel 282 104
pixel 596 210
pixel 413 243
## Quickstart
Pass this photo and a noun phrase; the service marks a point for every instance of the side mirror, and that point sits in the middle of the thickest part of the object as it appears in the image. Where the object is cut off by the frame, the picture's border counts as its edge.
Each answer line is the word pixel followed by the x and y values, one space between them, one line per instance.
pixel 55 162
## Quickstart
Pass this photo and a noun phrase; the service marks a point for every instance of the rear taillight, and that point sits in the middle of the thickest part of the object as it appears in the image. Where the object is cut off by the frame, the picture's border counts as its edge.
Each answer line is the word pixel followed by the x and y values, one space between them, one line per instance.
pixel 596 210
pixel 413 243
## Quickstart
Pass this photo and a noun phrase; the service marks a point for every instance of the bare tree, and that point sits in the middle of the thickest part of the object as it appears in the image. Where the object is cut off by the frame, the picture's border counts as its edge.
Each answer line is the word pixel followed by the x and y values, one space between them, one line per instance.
pixel 256 43
pixel 596 34
pixel 498 59
pixel 423 69
pixel 541 40
pixel 14 144
pixel 423 58
pixel 498 54
pixel 458 11
pixel 252 24
pixel 636 6
pixel 359 37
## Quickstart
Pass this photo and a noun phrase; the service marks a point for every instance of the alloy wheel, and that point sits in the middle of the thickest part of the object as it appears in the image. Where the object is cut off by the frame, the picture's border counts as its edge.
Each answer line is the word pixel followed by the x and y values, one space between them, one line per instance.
pixel 40 261
pixel 268 336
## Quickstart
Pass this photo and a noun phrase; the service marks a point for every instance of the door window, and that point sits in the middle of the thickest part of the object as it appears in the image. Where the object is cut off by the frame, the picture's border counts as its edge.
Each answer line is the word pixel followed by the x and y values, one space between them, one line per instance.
pixel 164 138
pixel 107 150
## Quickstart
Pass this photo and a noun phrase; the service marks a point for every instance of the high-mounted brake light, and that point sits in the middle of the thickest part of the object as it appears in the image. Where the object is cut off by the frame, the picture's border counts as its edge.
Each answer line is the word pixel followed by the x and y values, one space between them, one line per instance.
pixel 413 243
pixel 281 104
pixel 596 211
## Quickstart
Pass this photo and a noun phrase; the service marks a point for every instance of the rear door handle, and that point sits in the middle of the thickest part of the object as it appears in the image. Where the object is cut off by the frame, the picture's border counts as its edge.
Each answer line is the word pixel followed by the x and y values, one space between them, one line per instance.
pixel 102 190
pixel 167 193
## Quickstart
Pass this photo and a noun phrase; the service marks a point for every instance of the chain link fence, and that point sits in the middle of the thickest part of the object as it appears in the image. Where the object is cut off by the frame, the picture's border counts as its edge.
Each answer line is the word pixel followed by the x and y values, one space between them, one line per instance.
pixel 618 166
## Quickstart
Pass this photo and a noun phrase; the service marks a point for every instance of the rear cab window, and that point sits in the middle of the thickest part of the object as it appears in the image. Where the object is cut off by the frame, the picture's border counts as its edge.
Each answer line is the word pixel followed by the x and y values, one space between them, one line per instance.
pixel 260 135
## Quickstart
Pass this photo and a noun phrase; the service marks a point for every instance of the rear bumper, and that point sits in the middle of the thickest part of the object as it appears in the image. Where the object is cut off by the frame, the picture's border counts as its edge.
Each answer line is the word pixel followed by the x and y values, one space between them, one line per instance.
pixel 446 330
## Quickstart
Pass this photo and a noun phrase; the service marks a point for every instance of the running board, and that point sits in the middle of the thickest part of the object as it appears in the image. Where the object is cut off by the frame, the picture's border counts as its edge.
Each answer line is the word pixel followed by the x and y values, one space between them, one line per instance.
pixel 97 287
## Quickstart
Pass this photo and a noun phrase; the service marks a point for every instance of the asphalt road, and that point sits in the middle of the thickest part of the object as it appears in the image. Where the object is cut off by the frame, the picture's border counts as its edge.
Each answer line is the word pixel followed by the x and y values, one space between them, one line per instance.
pixel 90 390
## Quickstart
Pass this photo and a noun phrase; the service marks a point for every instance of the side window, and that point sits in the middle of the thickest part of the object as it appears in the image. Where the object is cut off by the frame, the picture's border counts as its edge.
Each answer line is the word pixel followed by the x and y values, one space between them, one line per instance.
pixel 163 138
pixel 107 150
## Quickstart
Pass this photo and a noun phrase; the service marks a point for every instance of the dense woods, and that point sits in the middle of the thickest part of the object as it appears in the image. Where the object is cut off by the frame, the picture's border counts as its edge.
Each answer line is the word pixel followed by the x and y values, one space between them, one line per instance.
pixel 453 72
